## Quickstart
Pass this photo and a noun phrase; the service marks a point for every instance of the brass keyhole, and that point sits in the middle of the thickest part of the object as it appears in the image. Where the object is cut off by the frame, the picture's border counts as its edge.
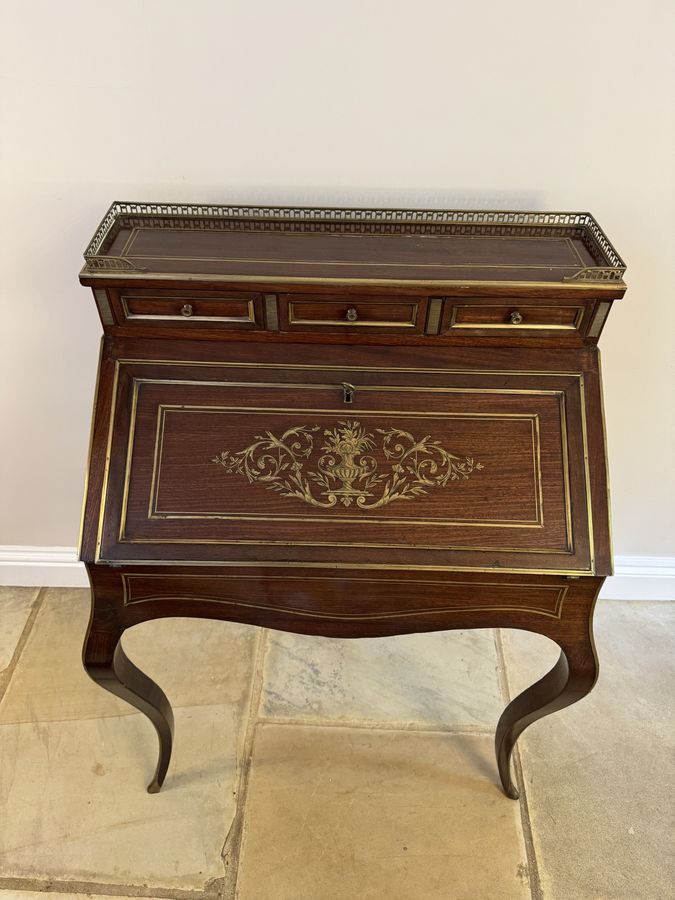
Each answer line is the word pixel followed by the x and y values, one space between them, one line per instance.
pixel 186 310
pixel 348 391
pixel 352 315
pixel 516 317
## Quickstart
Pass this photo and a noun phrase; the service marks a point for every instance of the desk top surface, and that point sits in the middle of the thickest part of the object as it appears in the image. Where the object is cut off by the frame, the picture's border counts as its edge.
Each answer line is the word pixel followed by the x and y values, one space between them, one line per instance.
pixel 429 248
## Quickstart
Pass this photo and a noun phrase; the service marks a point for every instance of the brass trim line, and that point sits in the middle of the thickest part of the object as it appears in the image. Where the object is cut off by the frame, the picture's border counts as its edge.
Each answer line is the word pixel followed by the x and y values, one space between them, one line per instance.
pixel 587 472
pixel 153 513
pixel 564 437
pixel 604 443
pixel 556 614
pixel 106 470
pixel 114 563
pixel 358 323
pixel 434 285
pixel 89 449
pixel 181 363
pixel 507 570
pixel 506 326
pixel 154 317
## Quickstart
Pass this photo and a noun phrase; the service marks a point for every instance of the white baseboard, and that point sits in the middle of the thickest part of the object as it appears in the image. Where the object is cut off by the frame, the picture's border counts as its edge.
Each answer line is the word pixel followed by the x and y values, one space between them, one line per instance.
pixel 636 578
pixel 42 567
pixel 641 578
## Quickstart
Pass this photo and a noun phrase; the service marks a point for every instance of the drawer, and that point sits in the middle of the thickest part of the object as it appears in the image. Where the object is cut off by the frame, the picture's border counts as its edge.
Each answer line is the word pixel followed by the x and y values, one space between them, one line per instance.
pixel 390 603
pixel 515 316
pixel 245 460
pixel 192 309
pixel 352 313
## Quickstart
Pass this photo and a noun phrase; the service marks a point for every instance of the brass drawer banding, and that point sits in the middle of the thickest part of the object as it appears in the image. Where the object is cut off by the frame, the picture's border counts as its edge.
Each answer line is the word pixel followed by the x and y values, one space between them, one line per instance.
pixel 177 309
pixel 545 317
pixel 388 314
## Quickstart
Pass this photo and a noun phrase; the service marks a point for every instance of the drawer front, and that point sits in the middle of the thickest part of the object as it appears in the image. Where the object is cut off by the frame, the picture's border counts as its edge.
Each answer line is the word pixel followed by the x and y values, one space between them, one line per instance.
pixel 352 313
pixel 191 309
pixel 515 317
pixel 309 464
pixel 338 603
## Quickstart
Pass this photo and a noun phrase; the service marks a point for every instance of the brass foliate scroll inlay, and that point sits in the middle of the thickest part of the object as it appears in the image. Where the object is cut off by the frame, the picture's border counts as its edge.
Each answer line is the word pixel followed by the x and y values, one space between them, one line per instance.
pixel 347 472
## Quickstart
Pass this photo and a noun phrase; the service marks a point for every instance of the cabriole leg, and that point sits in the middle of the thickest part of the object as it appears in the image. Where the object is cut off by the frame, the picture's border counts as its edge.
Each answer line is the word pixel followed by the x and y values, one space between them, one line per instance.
pixel 107 664
pixel 569 680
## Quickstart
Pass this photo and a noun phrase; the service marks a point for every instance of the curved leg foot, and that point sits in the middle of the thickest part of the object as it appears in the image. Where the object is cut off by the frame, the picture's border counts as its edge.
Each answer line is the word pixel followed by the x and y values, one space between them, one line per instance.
pixel 569 680
pixel 107 664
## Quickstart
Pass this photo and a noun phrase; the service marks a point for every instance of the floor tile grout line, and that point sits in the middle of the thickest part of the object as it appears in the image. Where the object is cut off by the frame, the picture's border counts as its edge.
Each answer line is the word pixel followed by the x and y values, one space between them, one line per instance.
pixel 415 728
pixel 6 676
pixel 536 891
pixel 121 714
pixel 214 889
pixel 233 840
pixel 86 888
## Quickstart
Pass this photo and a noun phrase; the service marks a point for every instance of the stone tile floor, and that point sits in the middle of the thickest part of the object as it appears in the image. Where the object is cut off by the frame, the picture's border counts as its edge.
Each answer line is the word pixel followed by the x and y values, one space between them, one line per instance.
pixel 315 769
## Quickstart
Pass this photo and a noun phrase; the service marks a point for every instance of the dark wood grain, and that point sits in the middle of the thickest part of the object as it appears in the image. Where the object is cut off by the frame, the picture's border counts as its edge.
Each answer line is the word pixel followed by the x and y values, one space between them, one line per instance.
pixel 321 316
pixel 248 458
pixel 172 420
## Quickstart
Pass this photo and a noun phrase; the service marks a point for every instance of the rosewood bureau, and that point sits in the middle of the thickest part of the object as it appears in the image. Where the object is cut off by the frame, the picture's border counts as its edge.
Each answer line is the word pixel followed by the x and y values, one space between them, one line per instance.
pixel 350 423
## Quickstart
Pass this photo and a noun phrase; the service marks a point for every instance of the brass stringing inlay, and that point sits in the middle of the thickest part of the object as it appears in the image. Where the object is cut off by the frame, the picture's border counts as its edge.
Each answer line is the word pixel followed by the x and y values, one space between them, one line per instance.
pixel 346 471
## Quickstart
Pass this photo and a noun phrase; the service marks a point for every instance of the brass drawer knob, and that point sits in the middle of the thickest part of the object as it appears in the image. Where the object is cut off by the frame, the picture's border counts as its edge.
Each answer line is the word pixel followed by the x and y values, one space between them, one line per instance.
pixel 516 317
pixel 352 315
pixel 186 310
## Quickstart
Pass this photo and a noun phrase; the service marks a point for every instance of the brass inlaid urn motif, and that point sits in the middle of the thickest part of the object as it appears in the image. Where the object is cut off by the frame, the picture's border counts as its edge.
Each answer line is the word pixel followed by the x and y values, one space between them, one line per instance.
pixel 347 472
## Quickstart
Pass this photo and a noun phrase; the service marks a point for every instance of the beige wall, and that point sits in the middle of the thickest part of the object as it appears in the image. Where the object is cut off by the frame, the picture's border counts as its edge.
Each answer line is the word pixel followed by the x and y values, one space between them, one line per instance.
pixel 522 104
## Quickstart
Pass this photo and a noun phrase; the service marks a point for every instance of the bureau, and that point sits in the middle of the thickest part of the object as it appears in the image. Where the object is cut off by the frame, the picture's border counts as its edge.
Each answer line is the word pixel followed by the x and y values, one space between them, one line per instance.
pixel 349 423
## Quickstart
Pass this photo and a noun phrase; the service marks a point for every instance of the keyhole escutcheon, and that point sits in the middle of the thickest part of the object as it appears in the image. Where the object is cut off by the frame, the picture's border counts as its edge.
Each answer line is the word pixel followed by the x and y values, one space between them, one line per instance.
pixel 348 391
